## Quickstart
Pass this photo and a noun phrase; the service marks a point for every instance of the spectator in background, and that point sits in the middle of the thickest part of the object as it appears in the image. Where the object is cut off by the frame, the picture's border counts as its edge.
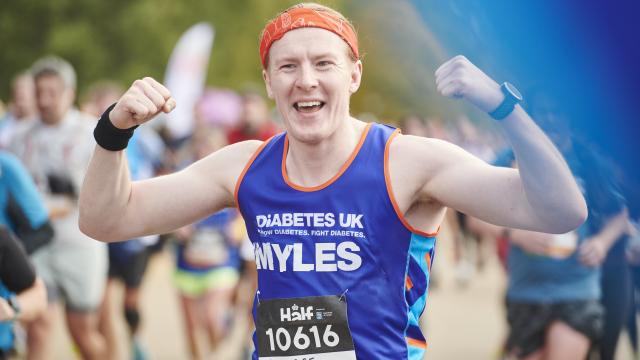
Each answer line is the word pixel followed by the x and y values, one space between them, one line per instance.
pixel 99 96
pixel 22 295
pixel 436 130
pixel 607 223
pixel 255 122
pixel 473 139
pixel 610 222
pixel 21 212
pixel 413 125
pixel 554 296
pixel 56 150
pixel 207 263
pixel 21 208
pixel 22 109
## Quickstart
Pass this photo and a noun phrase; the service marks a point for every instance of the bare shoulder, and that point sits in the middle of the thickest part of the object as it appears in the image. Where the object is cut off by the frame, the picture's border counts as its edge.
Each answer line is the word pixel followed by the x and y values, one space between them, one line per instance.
pixel 415 162
pixel 412 164
pixel 412 160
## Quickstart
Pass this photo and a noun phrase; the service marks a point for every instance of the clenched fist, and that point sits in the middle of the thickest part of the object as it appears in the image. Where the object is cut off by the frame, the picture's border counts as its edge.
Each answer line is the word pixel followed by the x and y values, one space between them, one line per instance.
pixel 142 101
pixel 459 78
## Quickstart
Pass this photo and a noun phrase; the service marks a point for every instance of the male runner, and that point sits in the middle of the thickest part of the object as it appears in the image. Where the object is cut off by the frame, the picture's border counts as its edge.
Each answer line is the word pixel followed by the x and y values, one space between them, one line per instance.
pixel 342 213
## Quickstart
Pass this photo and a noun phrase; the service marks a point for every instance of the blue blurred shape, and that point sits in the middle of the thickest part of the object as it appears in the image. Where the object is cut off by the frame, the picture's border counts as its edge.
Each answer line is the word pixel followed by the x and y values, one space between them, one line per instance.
pixel 584 55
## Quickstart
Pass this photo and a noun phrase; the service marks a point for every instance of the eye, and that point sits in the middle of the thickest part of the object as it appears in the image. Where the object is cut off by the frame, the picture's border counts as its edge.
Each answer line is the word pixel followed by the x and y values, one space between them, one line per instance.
pixel 287 67
pixel 324 63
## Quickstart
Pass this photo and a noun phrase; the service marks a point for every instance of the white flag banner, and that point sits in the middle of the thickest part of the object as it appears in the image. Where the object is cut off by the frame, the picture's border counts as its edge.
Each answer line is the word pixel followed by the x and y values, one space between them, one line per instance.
pixel 186 76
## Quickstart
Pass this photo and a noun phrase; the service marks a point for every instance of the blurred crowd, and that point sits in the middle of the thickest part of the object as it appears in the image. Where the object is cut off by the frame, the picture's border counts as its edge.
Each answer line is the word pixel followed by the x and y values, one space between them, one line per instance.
pixel 569 293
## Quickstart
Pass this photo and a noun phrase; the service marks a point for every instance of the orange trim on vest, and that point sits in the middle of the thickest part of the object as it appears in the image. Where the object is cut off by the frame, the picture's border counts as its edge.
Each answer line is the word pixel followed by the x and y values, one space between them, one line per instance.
pixel 416 343
pixel 344 167
pixel 408 283
pixel 387 179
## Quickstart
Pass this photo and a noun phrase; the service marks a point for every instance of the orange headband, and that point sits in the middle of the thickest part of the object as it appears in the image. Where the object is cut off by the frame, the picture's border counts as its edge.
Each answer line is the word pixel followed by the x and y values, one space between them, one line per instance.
pixel 305 17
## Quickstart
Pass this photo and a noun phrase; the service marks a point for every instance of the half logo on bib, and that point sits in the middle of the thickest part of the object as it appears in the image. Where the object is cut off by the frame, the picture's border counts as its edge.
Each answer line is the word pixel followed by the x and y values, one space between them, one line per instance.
pixel 314 327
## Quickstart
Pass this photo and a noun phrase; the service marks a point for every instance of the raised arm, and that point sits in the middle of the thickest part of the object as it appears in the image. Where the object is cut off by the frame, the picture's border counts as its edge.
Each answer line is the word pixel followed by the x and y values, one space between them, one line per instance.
pixel 541 195
pixel 114 208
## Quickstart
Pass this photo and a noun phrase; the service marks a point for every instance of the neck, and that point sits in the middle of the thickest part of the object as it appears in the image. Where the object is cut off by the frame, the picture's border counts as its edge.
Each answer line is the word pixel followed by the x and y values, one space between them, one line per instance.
pixel 312 164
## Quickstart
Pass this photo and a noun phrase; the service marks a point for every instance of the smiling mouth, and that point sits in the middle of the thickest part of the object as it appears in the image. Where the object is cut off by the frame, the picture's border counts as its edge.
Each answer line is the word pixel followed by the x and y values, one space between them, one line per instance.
pixel 308 106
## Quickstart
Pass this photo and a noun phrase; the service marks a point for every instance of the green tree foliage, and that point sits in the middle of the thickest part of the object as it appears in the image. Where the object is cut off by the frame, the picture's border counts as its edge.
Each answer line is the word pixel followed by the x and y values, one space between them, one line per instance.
pixel 124 40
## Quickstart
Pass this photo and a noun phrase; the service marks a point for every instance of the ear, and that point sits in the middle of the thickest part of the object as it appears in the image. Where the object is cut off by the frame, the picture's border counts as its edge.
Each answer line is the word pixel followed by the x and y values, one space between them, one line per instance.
pixel 356 77
pixel 267 83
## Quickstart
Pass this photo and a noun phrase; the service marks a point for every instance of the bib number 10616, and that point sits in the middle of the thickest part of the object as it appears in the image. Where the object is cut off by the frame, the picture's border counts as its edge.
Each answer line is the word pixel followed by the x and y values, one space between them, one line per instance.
pixel 301 328
pixel 284 340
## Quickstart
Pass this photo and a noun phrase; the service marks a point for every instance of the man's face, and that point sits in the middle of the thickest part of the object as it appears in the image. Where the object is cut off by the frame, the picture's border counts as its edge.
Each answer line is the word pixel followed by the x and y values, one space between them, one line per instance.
pixel 54 99
pixel 311 78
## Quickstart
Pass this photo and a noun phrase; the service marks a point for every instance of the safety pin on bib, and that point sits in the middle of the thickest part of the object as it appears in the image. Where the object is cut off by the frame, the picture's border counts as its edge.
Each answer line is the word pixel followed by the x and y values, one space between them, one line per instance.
pixel 343 296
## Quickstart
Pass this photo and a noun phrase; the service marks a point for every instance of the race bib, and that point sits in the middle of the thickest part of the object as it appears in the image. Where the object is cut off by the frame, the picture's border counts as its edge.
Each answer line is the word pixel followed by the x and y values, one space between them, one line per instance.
pixel 309 328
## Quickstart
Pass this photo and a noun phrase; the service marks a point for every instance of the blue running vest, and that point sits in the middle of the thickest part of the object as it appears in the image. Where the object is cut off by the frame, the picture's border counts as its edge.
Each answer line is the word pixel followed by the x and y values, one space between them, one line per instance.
pixel 344 237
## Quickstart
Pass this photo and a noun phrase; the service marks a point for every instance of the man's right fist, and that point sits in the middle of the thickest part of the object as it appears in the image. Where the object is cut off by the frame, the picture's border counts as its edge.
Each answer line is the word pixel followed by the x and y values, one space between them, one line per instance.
pixel 142 101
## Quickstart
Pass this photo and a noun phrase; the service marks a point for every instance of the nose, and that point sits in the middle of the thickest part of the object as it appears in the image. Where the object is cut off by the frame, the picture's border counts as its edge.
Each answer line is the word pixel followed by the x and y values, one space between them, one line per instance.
pixel 307 79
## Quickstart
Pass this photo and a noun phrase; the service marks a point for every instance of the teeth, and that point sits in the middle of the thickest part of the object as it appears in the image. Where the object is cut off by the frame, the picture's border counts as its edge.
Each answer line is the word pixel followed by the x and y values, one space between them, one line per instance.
pixel 308 103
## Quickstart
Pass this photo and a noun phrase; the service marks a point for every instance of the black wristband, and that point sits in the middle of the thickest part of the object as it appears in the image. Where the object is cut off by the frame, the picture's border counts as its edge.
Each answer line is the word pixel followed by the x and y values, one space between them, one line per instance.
pixel 110 137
